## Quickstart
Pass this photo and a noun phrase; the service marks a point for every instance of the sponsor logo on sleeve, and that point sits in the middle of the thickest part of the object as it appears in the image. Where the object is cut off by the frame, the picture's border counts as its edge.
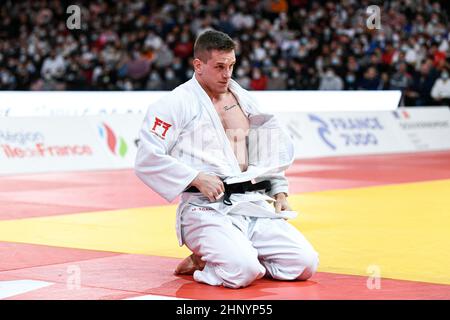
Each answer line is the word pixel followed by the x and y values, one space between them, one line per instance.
pixel 160 128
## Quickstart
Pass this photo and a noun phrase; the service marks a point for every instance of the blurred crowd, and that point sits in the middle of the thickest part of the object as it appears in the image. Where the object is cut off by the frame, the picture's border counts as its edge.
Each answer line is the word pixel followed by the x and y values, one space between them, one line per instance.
pixel 282 45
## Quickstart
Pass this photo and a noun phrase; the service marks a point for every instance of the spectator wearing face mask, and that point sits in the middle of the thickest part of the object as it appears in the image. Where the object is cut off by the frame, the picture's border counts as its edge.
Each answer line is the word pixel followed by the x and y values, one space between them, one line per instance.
pixel 154 81
pixel 54 66
pixel 7 79
pixel 242 78
pixel 401 79
pixel 371 80
pixel 350 81
pixel 170 79
pixel 276 81
pixel 441 89
pixel 330 81
pixel 259 80
pixel 419 93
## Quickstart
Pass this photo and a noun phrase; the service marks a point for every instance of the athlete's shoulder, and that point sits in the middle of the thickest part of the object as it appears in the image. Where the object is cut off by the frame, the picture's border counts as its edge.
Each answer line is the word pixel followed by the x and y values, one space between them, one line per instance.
pixel 180 103
pixel 175 98
pixel 182 93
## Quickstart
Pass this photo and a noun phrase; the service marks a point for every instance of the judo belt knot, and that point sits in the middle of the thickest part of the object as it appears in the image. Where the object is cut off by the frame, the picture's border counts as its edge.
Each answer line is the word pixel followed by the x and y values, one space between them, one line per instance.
pixel 241 187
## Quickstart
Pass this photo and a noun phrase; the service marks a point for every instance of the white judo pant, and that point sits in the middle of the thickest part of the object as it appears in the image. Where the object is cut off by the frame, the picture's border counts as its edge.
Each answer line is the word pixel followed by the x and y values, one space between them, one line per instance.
pixel 239 249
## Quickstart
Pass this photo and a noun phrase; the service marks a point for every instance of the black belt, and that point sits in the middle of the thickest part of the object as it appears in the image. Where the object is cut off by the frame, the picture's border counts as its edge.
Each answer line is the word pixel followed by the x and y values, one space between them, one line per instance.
pixel 241 187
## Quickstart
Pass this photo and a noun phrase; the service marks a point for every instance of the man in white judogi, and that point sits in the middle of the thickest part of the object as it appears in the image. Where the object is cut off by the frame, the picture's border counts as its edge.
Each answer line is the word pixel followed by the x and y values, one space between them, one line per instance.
pixel 208 141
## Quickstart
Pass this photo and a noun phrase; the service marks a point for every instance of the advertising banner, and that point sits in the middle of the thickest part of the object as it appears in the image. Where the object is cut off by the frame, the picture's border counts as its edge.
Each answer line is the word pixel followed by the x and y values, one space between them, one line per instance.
pixel 46 144
pixel 344 133
pixel 425 128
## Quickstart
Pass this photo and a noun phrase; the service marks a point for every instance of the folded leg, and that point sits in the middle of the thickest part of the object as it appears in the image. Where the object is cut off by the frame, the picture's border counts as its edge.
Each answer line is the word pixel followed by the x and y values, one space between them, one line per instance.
pixel 283 250
pixel 220 240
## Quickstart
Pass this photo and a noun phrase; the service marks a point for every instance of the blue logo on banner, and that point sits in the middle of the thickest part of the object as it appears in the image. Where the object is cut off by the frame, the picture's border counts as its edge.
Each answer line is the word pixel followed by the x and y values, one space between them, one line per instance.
pixel 323 130
pixel 352 131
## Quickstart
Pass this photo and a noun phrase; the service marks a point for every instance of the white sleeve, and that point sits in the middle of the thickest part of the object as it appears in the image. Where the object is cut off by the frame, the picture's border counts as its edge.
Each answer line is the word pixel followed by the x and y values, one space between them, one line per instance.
pixel 279 184
pixel 154 166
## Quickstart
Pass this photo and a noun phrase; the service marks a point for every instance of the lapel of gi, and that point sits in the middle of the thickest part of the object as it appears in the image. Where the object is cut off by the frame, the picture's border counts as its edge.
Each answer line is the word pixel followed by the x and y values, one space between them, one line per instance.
pixel 207 104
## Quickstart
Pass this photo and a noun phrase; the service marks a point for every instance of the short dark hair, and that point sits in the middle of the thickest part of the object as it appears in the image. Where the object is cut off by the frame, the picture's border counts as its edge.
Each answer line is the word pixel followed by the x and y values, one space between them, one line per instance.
pixel 212 40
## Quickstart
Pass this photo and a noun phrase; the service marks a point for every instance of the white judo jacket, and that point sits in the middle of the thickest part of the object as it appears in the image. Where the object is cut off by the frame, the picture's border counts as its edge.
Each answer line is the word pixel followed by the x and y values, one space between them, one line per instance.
pixel 182 135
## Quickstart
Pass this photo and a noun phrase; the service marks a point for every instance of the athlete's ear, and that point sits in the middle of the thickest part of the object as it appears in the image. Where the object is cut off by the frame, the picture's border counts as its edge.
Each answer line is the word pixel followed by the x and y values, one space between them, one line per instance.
pixel 198 66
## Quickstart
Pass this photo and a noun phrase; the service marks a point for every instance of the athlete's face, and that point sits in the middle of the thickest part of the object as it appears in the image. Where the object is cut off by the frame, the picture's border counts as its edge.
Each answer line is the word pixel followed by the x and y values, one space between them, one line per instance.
pixel 216 73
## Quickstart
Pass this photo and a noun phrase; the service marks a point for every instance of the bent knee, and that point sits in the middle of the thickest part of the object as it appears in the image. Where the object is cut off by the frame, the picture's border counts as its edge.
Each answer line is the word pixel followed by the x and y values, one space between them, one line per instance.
pixel 308 263
pixel 240 274
pixel 298 266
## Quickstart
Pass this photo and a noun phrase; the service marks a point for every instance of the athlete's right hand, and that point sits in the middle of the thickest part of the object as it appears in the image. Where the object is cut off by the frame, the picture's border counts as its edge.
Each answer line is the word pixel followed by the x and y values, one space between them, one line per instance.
pixel 210 186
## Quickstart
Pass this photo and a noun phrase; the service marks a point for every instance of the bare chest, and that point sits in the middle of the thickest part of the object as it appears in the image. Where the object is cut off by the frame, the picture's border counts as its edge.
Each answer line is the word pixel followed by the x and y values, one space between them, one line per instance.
pixel 236 126
pixel 231 115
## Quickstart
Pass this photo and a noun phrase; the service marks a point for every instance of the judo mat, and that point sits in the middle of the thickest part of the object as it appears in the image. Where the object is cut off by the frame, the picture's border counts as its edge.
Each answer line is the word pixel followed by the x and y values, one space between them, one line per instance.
pixel 380 224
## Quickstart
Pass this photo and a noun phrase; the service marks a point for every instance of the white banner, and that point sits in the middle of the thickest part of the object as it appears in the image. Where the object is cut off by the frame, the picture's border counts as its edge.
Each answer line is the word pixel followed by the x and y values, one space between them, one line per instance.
pixel 45 144
pixel 359 133
pixel 425 128
pixel 339 134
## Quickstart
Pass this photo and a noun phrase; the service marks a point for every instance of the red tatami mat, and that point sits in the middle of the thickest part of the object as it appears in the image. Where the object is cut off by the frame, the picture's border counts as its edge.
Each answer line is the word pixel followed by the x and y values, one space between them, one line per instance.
pixel 105 275
pixel 126 276
pixel 22 255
